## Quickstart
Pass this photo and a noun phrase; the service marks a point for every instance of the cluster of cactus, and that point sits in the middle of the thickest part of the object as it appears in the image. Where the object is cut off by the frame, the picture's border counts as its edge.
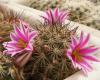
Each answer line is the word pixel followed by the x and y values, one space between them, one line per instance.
pixel 49 51
pixel 49 61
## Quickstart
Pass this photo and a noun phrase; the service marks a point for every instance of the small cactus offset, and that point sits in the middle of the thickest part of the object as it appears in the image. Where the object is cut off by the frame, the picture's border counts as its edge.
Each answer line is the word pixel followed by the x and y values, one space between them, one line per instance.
pixel 50 51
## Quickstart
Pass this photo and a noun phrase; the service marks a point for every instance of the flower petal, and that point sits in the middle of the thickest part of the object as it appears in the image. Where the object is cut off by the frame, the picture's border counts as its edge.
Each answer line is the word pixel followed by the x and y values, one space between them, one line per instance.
pixel 85 41
pixel 56 15
pixel 29 47
pixel 18 32
pixel 88 50
pixel 63 16
pixel 13 37
pixel 50 16
pixel 91 58
pixel 11 43
pixel 74 41
pixel 32 35
pixel 81 37
pixel 12 52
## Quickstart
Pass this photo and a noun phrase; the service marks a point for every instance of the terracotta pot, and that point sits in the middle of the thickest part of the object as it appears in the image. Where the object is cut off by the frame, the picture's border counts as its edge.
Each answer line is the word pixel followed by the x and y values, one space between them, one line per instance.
pixel 34 16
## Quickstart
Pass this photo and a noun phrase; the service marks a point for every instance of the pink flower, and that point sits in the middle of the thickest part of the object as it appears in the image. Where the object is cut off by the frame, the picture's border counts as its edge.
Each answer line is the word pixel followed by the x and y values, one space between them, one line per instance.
pixel 21 39
pixel 55 17
pixel 80 54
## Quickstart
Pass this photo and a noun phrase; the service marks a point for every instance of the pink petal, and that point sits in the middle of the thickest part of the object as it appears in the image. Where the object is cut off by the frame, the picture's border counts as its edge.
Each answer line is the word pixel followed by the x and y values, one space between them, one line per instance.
pixel 19 33
pixel 29 47
pixel 63 16
pixel 27 33
pixel 10 47
pixel 88 50
pixel 81 38
pixel 49 14
pixel 74 41
pixel 14 37
pixel 91 58
pixel 22 27
pixel 86 67
pixel 85 41
pixel 76 64
pixel 56 14
pixel 13 52
pixel 32 35
pixel 68 53
pixel 72 46
pixel 11 43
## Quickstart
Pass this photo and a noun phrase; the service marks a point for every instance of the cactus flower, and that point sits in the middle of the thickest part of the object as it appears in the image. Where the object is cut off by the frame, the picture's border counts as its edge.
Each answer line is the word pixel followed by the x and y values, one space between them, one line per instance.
pixel 55 17
pixel 80 54
pixel 21 39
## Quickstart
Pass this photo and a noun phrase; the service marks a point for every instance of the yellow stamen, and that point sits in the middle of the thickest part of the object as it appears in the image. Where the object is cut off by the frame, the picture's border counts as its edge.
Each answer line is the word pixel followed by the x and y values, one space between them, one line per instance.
pixel 77 56
pixel 21 43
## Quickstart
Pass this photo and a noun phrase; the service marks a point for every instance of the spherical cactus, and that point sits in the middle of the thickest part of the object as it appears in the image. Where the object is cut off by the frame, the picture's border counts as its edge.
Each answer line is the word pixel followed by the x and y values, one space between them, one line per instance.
pixel 50 47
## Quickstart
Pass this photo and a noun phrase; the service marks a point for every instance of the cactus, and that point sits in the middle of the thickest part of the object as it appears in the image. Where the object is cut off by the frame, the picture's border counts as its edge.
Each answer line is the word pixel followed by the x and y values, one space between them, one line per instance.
pixel 50 61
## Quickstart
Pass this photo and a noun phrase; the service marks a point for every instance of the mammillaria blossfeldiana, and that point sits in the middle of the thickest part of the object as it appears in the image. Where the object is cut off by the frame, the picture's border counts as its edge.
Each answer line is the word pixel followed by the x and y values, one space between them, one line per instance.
pixel 80 54
pixel 55 17
pixel 21 39
pixel 47 58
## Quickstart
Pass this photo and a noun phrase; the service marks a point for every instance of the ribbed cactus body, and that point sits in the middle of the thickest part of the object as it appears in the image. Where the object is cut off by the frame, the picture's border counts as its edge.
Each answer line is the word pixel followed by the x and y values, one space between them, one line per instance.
pixel 50 60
